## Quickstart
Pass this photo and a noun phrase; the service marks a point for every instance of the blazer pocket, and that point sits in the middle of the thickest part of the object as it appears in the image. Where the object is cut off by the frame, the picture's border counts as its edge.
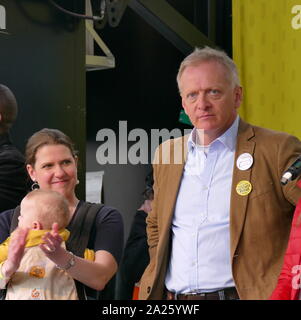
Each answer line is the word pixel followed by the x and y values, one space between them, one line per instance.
pixel 261 189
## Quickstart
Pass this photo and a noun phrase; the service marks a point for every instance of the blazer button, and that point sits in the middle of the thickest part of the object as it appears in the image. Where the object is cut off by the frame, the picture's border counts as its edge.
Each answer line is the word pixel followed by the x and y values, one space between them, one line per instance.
pixel 148 290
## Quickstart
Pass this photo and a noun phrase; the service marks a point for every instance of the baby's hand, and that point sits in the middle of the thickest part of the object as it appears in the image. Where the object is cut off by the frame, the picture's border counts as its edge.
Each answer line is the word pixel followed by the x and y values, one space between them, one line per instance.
pixel 15 251
pixel 52 241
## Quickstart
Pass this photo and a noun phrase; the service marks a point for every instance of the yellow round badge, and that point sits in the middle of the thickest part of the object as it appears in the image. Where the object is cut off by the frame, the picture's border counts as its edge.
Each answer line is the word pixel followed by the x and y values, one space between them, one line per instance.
pixel 244 187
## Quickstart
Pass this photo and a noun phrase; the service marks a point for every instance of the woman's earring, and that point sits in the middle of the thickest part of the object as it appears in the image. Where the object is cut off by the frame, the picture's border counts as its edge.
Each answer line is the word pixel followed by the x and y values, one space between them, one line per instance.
pixel 77 182
pixel 35 186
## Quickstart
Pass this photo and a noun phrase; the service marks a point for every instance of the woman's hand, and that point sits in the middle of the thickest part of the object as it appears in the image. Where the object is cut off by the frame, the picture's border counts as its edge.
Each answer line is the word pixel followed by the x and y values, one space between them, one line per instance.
pixel 52 246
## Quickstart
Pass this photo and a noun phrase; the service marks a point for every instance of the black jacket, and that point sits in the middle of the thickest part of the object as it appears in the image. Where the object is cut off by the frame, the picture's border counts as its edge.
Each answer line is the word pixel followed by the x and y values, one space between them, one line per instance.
pixel 135 258
pixel 13 176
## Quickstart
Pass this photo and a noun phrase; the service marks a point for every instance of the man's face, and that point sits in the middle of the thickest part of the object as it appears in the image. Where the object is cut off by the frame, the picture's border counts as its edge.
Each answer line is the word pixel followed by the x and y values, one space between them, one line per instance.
pixel 209 99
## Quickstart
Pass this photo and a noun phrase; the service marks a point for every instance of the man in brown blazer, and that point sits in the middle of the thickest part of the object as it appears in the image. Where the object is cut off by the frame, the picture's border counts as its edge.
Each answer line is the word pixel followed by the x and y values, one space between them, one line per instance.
pixel 220 218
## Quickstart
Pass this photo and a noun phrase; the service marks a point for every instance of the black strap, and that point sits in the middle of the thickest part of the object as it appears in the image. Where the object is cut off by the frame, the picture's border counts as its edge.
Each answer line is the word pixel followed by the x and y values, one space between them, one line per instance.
pixel 15 219
pixel 80 229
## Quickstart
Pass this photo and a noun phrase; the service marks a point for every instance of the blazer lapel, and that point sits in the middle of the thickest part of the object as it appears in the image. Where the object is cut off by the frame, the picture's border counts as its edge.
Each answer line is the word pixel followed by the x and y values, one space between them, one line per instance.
pixel 238 207
pixel 174 178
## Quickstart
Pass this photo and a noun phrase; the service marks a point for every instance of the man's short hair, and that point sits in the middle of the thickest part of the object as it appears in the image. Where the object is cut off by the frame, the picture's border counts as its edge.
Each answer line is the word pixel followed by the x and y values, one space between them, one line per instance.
pixel 8 108
pixel 208 54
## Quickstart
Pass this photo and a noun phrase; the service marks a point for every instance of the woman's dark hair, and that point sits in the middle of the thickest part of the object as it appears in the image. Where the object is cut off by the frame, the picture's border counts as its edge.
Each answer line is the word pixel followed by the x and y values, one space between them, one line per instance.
pixel 46 137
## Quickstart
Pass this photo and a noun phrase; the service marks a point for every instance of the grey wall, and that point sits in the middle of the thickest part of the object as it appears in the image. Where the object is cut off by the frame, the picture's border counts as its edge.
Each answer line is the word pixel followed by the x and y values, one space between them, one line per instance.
pixel 42 60
pixel 123 184
pixel 140 90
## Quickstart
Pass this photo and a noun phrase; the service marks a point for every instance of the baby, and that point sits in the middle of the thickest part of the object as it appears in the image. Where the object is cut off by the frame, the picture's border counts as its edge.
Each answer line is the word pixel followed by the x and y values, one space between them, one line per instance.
pixel 37 277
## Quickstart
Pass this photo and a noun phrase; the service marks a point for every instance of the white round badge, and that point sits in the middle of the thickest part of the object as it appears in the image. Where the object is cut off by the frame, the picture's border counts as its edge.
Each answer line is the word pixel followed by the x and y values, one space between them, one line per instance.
pixel 244 161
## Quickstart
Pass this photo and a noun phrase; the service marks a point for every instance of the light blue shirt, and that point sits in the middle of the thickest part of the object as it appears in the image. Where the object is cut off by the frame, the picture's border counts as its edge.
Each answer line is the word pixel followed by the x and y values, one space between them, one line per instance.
pixel 200 254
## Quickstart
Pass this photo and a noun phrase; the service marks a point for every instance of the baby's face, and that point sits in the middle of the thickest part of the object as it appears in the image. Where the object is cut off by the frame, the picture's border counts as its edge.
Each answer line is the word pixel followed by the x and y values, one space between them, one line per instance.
pixel 27 214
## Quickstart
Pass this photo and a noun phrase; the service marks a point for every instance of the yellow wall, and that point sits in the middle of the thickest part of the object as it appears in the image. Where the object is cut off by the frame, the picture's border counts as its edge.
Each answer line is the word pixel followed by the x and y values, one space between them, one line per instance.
pixel 267 50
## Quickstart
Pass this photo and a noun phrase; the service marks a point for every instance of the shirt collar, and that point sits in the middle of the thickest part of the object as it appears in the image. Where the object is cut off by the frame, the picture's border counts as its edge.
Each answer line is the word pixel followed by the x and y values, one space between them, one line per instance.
pixel 228 138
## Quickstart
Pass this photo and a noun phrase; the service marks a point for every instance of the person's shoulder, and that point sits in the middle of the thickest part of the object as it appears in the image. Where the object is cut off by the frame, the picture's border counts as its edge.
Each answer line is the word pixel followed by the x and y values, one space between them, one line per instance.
pixel 103 210
pixel 262 133
pixel 7 213
pixel 110 217
pixel 270 132
pixel 5 223
pixel 174 141
pixel 11 153
pixel 108 210
pixel 171 151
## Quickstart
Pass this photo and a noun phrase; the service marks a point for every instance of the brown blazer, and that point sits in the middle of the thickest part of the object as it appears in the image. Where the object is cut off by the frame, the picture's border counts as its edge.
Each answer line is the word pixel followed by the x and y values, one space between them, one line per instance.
pixel 259 222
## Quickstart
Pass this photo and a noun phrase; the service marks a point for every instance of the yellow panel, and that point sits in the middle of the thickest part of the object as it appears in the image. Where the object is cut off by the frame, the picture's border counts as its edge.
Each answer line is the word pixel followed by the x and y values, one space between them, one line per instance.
pixel 267 50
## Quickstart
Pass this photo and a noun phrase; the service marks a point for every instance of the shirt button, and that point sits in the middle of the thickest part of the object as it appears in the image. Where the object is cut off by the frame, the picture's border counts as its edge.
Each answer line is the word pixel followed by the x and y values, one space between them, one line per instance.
pixel 148 289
